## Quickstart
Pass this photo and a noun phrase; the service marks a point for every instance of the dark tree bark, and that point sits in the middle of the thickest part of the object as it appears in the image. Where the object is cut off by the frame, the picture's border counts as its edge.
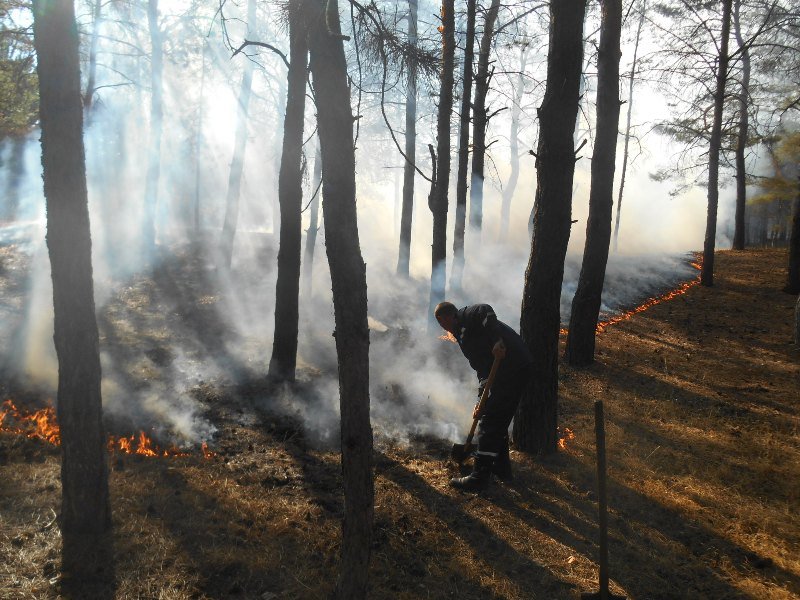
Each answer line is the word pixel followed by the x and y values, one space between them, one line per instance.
pixel 741 138
pixel 715 142
pixel 85 505
pixel 586 303
pixel 198 143
pixel 313 225
pixel 631 80
pixel 290 193
pixel 797 323
pixel 516 111
pixel 463 152
pixel 793 274
pixel 276 205
pixel 239 147
pixel 156 127
pixel 536 420
pixel 407 213
pixel 480 121
pixel 16 175
pixel 437 201
pixel 348 278
pixel 91 72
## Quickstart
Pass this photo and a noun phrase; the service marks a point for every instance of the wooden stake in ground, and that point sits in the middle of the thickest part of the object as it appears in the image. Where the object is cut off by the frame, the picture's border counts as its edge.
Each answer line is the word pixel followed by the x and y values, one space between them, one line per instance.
pixel 600 433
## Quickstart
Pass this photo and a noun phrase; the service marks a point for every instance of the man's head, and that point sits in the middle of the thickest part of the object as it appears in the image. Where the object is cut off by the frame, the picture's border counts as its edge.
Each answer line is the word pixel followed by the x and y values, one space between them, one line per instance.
pixel 445 313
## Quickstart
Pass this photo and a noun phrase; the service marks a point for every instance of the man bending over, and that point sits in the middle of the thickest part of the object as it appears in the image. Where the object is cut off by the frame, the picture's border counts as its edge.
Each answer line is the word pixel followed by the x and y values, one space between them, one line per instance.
pixel 482 337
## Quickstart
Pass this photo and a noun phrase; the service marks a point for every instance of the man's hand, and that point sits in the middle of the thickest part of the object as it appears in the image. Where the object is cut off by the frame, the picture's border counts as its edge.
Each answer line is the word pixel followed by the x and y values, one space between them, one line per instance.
pixel 475 413
pixel 499 349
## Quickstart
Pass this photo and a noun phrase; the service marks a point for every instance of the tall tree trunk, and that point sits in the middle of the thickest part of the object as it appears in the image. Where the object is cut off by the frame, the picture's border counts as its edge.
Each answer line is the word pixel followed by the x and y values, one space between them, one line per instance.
pixel 536 420
pixel 348 278
pixel 290 193
pixel 16 175
pixel 516 111
pixel 239 147
pixel 407 213
pixel 437 201
pixel 156 126
pixel 85 507
pixel 480 121
pixel 276 205
pixel 793 274
pixel 741 138
pixel 707 271
pixel 88 95
pixel 198 143
pixel 313 225
pixel 586 303
pixel 463 152
pixel 631 80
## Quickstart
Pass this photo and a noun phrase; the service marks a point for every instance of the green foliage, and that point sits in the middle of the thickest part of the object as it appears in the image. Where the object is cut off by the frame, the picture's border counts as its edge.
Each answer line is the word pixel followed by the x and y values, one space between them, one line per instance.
pixel 784 184
pixel 19 90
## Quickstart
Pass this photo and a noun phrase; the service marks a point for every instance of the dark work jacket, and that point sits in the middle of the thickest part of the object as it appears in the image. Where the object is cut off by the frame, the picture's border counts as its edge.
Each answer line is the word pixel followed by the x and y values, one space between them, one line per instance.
pixel 478 331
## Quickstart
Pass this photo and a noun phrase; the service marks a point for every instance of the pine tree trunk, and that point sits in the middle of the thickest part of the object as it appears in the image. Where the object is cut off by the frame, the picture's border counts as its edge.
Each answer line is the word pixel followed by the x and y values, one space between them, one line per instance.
pixel 91 71
pixel 239 147
pixel 631 80
pixel 480 121
pixel 276 205
pixel 707 271
pixel 586 303
pixel 16 173
pixel 516 111
pixel 463 153
pixel 348 278
pixel 793 274
pixel 198 144
pixel 290 192
pixel 85 507
pixel 407 213
pixel 156 126
pixel 313 226
pixel 437 201
pixel 536 420
pixel 741 138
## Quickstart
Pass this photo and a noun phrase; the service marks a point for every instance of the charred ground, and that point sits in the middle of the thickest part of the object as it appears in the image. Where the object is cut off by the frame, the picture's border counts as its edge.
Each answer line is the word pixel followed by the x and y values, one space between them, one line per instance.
pixel 702 423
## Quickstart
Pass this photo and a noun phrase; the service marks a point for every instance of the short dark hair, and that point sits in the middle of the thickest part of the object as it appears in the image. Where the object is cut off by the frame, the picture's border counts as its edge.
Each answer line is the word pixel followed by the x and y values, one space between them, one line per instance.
pixel 444 308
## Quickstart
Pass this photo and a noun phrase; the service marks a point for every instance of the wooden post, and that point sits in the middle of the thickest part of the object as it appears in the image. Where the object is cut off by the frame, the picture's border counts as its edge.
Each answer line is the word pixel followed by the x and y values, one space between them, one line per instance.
pixel 600 434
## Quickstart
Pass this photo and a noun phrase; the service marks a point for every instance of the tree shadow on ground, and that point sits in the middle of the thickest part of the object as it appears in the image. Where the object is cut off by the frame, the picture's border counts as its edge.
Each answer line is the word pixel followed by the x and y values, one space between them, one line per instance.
pixel 498 553
pixel 654 550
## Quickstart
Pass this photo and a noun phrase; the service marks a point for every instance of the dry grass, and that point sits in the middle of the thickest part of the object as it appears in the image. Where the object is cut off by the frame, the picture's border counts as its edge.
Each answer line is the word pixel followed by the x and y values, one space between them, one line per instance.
pixel 701 398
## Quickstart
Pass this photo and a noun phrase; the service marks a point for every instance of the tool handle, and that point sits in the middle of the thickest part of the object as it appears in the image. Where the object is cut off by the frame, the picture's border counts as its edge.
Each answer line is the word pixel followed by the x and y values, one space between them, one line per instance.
pixel 486 389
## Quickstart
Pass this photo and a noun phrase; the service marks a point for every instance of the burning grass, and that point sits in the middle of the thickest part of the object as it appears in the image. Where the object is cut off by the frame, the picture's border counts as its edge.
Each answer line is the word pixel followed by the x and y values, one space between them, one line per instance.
pixel 704 465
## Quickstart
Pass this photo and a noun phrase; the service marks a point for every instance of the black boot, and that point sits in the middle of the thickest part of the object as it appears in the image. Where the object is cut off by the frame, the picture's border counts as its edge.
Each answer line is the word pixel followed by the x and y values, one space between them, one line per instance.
pixel 479 478
pixel 501 468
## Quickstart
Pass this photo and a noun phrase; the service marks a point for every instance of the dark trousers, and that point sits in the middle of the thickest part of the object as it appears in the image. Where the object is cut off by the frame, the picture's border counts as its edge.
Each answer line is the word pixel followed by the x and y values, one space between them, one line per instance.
pixel 498 411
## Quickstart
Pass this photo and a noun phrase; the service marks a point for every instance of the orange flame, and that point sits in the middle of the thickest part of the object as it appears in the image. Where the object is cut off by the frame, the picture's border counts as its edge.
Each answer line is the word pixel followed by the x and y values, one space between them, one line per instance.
pixel 564 436
pixel 448 337
pixel 206 452
pixel 650 302
pixel 42 424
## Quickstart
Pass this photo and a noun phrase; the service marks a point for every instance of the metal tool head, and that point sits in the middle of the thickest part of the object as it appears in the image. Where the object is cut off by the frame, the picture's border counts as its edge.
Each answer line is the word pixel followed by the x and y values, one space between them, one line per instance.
pixel 461 452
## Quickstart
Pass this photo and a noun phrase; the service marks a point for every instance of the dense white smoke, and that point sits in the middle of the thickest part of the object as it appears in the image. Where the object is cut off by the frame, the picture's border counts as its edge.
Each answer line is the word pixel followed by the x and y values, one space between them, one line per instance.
pixel 170 326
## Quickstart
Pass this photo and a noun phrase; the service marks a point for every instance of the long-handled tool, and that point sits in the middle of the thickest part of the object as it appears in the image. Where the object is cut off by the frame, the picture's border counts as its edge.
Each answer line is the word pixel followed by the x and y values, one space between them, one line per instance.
pixel 460 452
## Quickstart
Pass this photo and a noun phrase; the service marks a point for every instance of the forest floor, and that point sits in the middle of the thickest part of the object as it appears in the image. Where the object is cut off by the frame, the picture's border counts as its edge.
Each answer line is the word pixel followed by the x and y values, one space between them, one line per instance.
pixel 702 404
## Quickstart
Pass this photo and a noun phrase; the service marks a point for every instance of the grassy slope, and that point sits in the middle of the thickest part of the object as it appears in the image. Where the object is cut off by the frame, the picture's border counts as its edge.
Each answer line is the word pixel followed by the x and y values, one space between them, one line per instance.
pixel 702 419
